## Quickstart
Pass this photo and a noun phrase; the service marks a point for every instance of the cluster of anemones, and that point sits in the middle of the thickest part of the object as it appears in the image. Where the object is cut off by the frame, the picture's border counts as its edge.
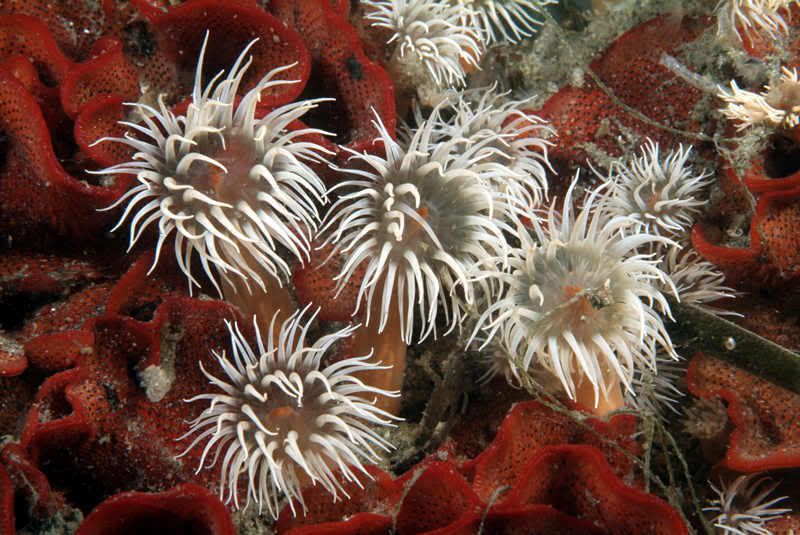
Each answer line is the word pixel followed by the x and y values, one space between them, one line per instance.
pixel 448 217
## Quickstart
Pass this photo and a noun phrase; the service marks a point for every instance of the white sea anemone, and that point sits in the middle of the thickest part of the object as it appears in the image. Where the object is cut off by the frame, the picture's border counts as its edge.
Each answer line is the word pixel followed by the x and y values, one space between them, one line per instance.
pixel 754 17
pixel 654 391
pixel 743 507
pixel 282 419
pixel 509 143
pixel 661 195
pixel 421 219
pixel 432 33
pixel 498 360
pixel 698 282
pixel 578 300
pixel 776 106
pixel 228 185
pixel 504 20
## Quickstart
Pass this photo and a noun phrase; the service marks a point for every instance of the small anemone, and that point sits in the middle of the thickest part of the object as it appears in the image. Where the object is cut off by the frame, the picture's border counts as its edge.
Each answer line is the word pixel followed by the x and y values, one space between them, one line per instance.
pixel 661 195
pixel 776 106
pixel 743 507
pixel 656 391
pixel 226 184
pixel 432 33
pixel 283 419
pixel 697 282
pixel 504 20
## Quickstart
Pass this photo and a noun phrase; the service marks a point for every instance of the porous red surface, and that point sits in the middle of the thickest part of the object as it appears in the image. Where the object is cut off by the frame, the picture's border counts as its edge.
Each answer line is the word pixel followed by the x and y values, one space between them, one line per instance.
pixel 767 431
pixel 777 221
pixel 577 480
pixel 23 487
pixel 87 422
pixel 341 69
pixel 543 471
pixel 314 284
pixel 631 70
pixel 530 426
pixel 185 508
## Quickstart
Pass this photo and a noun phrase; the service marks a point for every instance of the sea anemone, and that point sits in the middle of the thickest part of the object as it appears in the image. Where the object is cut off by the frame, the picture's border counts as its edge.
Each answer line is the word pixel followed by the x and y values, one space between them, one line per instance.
pixel 282 419
pixel 421 219
pixel 432 33
pixel 744 507
pixel 228 185
pixel 504 20
pixel 706 419
pixel 655 391
pixel 578 300
pixel 753 17
pixel 697 282
pixel 777 106
pixel 509 144
pixel 661 195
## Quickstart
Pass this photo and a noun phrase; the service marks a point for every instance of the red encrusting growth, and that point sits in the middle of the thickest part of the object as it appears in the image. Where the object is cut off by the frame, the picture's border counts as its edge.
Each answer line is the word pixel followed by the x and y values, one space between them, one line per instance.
pixel 342 70
pixel 107 73
pixel 587 115
pixel 314 284
pixel 767 430
pixel 543 469
pixel 24 487
pixel 777 220
pixel 531 426
pixel 185 508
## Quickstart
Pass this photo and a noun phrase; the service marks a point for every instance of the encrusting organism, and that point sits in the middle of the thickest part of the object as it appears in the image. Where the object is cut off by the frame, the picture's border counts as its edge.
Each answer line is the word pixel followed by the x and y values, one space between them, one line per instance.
pixel 284 420
pixel 744 506
pixel 777 106
pixel 431 33
pixel 578 300
pixel 661 194
pixel 228 185
pixel 754 17
pixel 421 219
pixel 504 20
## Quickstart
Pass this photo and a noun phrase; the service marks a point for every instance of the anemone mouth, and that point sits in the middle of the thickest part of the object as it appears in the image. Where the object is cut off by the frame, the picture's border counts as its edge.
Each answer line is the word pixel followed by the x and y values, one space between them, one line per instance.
pixel 571 287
